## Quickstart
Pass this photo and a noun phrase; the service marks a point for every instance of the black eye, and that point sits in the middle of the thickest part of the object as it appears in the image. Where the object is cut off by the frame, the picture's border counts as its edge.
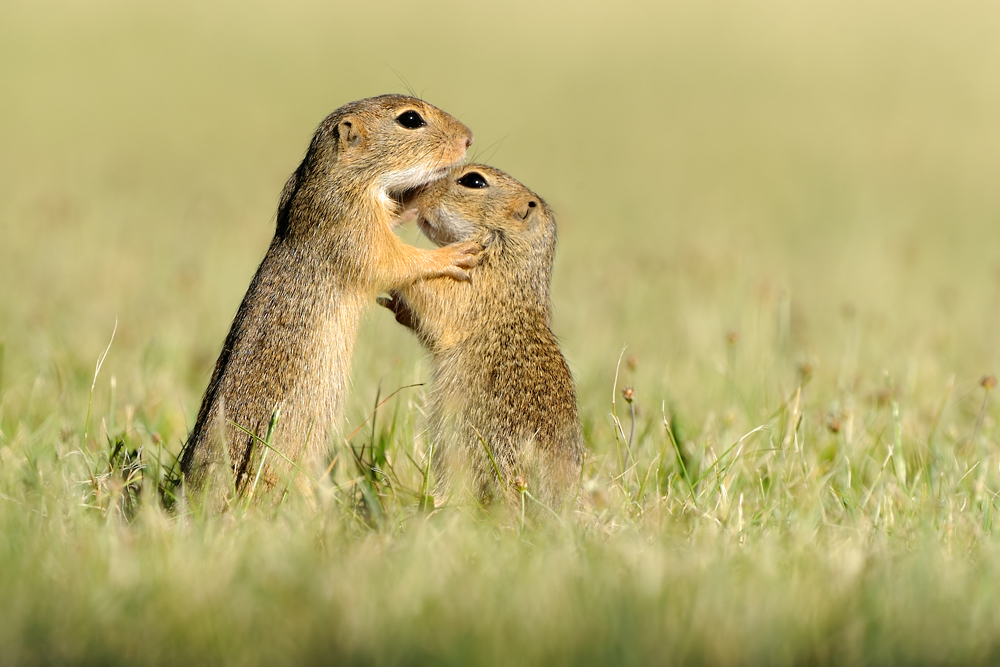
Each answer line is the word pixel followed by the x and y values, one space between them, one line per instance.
pixel 411 120
pixel 473 180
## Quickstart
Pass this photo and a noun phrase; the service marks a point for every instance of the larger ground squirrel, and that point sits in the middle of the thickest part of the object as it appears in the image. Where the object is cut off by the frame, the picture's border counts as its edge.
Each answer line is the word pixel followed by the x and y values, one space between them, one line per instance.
pixel 502 396
pixel 288 353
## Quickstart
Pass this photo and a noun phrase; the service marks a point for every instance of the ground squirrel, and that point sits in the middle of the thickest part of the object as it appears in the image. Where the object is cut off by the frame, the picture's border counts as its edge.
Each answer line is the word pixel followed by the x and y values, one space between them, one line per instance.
pixel 500 380
pixel 292 340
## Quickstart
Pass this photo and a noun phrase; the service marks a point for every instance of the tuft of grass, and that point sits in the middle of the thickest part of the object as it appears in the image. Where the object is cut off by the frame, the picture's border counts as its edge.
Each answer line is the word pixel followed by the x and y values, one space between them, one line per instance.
pixel 789 542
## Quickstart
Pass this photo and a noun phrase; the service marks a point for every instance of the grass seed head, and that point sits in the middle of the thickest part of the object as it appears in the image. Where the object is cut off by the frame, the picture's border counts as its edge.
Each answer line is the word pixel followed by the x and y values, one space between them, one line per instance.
pixel 834 425
pixel 520 485
pixel 806 370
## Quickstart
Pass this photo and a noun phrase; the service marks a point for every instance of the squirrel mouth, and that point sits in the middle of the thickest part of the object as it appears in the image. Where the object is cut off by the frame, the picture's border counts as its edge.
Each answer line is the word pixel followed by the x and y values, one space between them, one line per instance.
pixel 425 227
pixel 438 234
pixel 406 198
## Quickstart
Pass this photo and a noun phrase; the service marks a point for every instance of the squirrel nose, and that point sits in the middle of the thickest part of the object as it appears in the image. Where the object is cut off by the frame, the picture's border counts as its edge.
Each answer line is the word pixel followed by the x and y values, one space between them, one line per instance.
pixel 468 141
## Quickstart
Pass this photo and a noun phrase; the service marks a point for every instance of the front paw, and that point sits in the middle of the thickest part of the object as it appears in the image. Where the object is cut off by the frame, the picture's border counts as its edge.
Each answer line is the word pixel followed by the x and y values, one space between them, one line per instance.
pixel 457 274
pixel 387 302
pixel 399 307
pixel 464 255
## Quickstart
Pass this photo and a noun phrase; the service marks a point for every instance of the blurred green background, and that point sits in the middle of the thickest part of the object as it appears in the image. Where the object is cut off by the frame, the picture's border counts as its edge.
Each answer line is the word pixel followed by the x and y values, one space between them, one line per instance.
pixel 714 167
pixel 706 161
pixel 789 212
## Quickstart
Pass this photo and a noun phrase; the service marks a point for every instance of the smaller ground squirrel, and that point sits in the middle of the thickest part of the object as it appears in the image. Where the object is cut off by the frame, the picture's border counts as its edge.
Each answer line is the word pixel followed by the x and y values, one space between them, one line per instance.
pixel 500 382
pixel 288 353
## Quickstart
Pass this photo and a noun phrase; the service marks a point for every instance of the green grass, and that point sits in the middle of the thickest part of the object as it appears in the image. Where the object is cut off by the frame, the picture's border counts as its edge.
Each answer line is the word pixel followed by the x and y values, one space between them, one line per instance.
pixel 788 214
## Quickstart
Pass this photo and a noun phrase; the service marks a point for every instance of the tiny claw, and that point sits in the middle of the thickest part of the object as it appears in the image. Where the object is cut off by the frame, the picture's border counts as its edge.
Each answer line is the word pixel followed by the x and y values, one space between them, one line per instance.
pixel 467 254
pixel 400 309
pixel 458 274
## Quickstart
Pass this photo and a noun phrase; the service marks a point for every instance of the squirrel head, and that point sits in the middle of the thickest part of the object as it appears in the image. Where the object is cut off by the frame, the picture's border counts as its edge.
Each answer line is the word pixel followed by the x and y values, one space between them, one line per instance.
pixel 480 203
pixel 371 153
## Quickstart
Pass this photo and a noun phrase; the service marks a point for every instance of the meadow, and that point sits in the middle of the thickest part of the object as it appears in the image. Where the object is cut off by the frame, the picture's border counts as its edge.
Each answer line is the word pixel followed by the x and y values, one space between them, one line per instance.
pixel 779 227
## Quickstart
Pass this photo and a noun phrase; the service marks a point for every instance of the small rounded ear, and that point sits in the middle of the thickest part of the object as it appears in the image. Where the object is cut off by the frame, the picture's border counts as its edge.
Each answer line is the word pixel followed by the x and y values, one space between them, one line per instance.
pixel 349 135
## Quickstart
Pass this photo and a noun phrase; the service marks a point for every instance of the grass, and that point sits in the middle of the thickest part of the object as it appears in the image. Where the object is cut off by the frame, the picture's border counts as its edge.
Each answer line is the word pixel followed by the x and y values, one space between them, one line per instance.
pixel 786 213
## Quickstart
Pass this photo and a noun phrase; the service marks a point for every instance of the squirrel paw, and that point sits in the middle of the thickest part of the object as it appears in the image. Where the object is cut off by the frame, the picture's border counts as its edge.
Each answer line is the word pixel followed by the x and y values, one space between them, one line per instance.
pixel 400 309
pixel 464 255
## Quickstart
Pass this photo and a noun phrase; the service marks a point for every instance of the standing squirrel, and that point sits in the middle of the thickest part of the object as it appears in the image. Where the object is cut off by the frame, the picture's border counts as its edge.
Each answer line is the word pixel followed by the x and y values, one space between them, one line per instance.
pixel 502 399
pixel 286 361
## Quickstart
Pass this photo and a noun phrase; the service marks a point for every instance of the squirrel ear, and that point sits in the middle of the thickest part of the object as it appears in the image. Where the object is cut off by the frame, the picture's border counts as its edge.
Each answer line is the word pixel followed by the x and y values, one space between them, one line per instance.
pixel 349 134
pixel 529 208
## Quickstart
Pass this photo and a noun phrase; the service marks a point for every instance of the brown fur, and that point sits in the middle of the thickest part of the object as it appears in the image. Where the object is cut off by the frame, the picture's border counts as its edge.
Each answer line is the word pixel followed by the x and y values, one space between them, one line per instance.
pixel 498 371
pixel 292 340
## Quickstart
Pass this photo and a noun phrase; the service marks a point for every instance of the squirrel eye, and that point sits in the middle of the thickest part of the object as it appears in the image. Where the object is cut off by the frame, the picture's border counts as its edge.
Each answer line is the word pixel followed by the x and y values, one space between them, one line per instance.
pixel 473 180
pixel 411 120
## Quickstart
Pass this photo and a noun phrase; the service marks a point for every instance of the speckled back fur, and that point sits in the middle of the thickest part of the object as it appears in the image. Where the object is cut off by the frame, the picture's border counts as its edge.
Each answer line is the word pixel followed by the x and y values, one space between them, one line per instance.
pixel 499 375
pixel 292 340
